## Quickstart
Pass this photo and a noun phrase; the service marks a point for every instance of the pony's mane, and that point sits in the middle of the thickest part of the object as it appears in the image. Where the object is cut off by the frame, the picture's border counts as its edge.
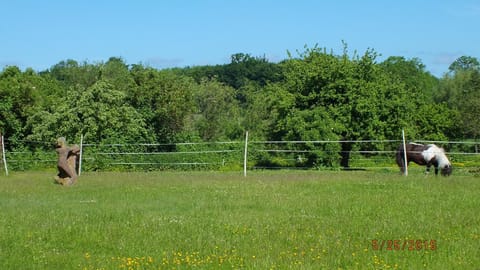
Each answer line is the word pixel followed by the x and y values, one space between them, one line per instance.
pixel 439 153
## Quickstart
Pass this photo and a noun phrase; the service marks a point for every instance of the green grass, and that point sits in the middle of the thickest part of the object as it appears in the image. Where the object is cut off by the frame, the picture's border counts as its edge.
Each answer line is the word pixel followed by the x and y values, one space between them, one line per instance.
pixel 211 220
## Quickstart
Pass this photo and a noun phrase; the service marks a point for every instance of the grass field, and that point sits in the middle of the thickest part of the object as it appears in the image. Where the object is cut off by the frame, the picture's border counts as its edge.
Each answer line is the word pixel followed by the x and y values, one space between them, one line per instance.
pixel 212 220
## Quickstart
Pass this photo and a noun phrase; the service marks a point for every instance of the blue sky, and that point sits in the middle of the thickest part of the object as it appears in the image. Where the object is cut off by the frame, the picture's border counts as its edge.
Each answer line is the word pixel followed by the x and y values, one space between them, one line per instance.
pixel 39 34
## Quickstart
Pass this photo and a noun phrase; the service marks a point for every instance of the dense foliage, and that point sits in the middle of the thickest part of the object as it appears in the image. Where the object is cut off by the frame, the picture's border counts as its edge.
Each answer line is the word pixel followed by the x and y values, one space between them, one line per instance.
pixel 314 95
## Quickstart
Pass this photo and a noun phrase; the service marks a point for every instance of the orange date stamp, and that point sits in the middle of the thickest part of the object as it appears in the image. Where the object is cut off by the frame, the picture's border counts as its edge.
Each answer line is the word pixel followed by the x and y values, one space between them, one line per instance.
pixel 405 244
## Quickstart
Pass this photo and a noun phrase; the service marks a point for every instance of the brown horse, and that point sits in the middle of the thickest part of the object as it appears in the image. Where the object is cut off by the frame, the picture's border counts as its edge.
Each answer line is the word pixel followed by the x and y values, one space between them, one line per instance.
pixel 426 155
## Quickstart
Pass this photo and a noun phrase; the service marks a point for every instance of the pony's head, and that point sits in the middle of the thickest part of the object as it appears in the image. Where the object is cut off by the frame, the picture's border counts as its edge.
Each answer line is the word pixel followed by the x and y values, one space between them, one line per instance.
pixel 446 170
pixel 443 163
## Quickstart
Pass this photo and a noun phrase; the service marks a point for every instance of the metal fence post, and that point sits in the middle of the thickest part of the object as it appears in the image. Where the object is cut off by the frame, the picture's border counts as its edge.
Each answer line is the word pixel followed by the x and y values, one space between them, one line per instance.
pixel 3 155
pixel 405 154
pixel 245 155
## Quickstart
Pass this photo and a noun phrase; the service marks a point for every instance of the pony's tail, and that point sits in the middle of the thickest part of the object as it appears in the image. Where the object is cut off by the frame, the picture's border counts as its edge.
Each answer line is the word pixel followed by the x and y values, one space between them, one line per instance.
pixel 400 158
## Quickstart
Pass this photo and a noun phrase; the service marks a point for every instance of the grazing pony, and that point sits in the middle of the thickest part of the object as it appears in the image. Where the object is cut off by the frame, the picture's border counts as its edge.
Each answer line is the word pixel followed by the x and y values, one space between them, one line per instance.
pixel 427 155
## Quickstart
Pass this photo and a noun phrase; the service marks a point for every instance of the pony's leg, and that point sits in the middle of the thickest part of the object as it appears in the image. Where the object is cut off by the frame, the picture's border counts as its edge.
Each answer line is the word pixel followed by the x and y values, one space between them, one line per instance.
pixel 436 170
pixel 401 164
pixel 427 170
pixel 402 168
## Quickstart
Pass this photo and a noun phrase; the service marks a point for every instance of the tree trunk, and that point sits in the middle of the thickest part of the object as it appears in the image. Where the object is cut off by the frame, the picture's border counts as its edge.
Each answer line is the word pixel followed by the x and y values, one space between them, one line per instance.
pixel 346 147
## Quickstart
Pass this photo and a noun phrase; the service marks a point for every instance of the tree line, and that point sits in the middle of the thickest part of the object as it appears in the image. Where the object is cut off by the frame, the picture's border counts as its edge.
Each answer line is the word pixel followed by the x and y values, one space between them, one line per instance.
pixel 314 94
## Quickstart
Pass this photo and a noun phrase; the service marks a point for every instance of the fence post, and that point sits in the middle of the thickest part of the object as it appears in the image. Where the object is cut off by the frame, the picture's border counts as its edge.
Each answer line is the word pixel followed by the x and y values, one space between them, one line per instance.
pixel 405 153
pixel 80 157
pixel 245 155
pixel 3 154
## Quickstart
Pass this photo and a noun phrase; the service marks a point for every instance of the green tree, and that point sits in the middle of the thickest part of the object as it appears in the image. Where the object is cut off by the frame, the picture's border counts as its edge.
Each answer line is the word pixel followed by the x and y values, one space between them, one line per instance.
pixel 460 90
pixel 245 68
pixel 116 71
pixel 218 115
pixel 242 70
pixel 273 115
pixel 72 74
pixel 464 63
pixel 99 112
pixel 242 73
pixel 358 98
pixel 165 100
pixel 13 97
pixel 266 112
pixel 21 95
pixel 412 73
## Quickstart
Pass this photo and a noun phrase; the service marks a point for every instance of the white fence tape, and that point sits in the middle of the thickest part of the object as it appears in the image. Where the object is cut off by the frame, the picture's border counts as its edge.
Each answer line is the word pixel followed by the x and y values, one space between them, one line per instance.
pixel 193 157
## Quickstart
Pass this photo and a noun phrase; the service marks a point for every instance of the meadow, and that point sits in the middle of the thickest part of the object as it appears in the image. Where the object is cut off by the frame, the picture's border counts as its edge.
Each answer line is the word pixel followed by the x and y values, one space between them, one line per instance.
pixel 222 220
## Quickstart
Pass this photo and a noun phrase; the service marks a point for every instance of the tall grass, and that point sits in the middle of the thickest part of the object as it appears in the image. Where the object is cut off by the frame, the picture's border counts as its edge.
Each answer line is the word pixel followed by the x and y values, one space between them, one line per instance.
pixel 269 220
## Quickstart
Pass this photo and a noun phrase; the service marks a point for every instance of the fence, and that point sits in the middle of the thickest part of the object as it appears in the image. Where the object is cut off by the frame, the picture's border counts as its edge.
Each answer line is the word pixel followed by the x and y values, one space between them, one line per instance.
pixel 4 159
pixel 236 155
